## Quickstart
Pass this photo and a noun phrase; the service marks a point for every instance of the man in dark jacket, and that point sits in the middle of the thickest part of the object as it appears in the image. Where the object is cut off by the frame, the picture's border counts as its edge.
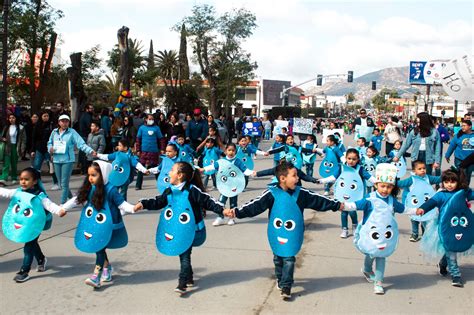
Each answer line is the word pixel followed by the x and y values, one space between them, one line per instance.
pixel 197 129
pixel 364 126
pixel 84 129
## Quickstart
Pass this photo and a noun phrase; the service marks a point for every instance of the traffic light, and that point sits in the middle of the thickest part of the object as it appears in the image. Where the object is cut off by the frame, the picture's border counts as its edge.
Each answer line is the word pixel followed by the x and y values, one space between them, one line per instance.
pixel 319 80
pixel 350 76
pixel 374 85
pixel 285 99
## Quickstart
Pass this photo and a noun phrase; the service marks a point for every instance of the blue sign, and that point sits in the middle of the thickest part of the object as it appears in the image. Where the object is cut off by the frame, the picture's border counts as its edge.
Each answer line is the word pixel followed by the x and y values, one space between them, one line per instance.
pixel 417 72
pixel 252 129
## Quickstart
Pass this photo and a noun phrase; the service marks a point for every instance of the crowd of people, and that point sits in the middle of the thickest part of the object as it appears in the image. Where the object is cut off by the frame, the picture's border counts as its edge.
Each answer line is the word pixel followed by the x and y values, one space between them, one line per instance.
pixel 182 151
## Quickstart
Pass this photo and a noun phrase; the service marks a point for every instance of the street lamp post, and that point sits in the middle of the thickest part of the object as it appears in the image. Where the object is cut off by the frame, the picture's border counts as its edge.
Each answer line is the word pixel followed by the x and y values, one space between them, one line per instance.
pixel 4 86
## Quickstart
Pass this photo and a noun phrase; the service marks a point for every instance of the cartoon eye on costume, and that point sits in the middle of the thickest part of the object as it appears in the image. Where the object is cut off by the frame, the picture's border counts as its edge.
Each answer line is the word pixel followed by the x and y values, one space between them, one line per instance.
pixel 224 178
pixel 454 221
pixel 326 164
pixel 168 214
pixel 414 201
pixel 277 223
pixel 427 197
pixel 116 167
pixel 341 184
pixel 100 218
pixel 375 235
pixel 184 218
pixel 330 164
pixel 353 186
pixel 212 162
pixel 166 179
pixel 28 212
pixel 233 174
pixel 388 233
pixel 244 159
pixel 463 221
pixel 89 212
pixel 183 153
pixel 290 225
pixel 120 170
pixel 16 209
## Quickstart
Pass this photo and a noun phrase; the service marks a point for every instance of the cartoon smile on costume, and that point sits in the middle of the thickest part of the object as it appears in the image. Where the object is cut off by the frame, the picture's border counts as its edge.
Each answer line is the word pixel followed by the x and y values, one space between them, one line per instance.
pixel 230 179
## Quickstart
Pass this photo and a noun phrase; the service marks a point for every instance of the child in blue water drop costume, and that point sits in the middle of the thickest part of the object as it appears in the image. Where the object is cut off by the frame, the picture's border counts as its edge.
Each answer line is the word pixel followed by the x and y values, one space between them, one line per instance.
pixel 230 152
pixel 246 151
pixel 350 189
pixel 186 153
pixel 181 223
pixel 309 158
pixel 124 179
pixel 292 149
pixel 331 166
pixel 377 235
pixel 376 139
pixel 452 233
pixel 166 163
pixel 101 225
pixel 417 199
pixel 211 154
pixel 286 202
pixel 23 223
pixel 280 140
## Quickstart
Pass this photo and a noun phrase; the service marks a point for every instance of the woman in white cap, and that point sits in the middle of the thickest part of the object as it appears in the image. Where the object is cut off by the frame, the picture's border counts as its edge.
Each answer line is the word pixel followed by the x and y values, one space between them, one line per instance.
pixel 61 146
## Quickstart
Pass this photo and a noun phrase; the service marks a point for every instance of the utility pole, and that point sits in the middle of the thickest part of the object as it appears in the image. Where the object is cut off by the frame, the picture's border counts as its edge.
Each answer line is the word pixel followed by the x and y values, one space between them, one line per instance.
pixel 4 59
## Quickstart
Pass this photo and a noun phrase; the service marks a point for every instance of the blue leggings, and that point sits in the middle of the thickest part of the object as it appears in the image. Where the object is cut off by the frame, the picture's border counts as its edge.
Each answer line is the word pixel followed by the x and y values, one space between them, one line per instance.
pixel 379 266
pixel 344 220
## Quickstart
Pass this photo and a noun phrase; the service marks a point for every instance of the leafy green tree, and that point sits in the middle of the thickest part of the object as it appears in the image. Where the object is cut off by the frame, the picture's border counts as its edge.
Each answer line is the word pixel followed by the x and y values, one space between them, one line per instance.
pixel 31 30
pixel 137 59
pixel 379 99
pixel 216 42
pixel 350 97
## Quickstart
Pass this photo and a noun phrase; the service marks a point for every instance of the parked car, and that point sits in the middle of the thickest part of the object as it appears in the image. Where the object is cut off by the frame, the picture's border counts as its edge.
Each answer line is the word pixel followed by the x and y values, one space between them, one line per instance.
pixel 222 130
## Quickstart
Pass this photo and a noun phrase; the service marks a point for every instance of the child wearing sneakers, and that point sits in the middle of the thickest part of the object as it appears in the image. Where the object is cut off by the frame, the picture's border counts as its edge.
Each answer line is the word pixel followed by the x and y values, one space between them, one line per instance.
pixel 28 214
pixel 100 225
pixel 377 235
pixel 181 225
pixel 286 203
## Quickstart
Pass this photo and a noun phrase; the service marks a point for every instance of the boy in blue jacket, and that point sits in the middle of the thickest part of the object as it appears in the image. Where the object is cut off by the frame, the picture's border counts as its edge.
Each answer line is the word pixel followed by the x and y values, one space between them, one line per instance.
pixel 286 203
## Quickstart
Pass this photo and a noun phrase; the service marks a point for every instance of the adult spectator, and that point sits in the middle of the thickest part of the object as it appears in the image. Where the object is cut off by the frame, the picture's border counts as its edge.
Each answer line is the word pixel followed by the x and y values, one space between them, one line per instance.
pixel 363 126
pixel 175 127
pixel 106 125
pixel 147 146
pixel 211 122
pixel 230 123
pixel 187 119
pixel 58 110
pixel 392 133
pixel 25 120
pixel 30 130
pixel 239 125
pixel 462 145
pixel 84 130
pixel 129 131
pixel 96 141
pixel 40 152
pixel 116 132
pixel 14 137
pixel 197 129
pixel 267 125
pixel 61 145
pixel 425 143
pixel 137 118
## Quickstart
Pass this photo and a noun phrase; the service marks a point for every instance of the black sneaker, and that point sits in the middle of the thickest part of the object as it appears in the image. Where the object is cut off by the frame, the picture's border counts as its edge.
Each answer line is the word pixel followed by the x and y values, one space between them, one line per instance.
pixel 190 283
pixel 457 282
pixel 22 276
pixel 414 238
pixel 443 271
pixel 42 265
pixel 138 188
pixel 285 293
pixel 181 288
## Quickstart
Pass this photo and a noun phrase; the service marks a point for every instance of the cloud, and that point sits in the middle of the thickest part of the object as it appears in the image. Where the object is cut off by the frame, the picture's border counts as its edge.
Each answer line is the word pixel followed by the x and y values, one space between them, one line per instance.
pixel 334 22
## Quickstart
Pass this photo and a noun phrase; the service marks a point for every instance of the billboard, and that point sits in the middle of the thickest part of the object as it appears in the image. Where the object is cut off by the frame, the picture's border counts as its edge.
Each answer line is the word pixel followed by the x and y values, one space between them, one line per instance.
pixel 272 90
pixel 426 72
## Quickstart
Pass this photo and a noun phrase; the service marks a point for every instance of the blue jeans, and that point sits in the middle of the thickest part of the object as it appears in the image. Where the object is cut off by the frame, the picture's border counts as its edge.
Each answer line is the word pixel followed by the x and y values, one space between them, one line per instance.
pixel 31 250
pixel 284 269
pixel 186 272
pixel 38 162
pixel 206 180
pixel 379 266
pixel 123 190
pixel 468 171
pixel 415 227
pixel 309 169
pixel 267 134
pixel 449 260
pixel 345 214
pixel 328 186
pixel 438 170
pixel 232 201
pixel 101 258
pixel 63 172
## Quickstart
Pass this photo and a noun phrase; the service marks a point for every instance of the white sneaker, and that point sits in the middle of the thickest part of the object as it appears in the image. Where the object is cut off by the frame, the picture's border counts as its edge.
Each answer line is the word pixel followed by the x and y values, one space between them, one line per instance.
pixel 326 193
pixel 231 222
pixel 55 187
pixel 344 233
pixel 218 221
pixel 378 289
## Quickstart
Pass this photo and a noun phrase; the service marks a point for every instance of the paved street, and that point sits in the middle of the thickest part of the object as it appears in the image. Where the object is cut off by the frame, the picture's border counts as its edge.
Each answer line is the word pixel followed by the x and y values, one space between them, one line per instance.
pixel 233 270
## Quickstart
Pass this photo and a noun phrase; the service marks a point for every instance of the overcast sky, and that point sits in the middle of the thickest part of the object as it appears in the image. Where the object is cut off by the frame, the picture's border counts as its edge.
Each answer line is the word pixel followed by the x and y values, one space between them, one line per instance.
pixel 294 40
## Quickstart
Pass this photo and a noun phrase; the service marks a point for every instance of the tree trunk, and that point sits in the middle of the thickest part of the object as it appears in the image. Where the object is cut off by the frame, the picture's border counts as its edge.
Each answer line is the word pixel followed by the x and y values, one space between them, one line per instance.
pixel 77 97
pixel 125 69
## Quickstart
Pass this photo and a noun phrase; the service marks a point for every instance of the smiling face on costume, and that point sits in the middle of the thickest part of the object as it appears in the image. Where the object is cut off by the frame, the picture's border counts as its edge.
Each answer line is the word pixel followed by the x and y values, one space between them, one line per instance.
pixel 24 219
pixel 329 165
pixel 230 179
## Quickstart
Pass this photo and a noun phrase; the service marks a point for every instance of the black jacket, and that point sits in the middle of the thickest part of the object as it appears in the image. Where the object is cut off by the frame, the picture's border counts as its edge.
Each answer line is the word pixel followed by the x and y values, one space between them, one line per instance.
pixel 197 198
pixel 306 199
pixel 370 122
pixel 41 136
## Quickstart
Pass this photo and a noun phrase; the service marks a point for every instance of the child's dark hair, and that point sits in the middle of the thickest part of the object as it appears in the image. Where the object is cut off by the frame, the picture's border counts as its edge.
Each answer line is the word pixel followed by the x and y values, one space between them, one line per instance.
pixel 240 138
pixel 395 190
pixel 249 138
pixel 174 146
pixel 124 142
pixel 98 197
pixel 191 175
pixel 467 122
pixel 211 140
pixel 353 151
pixel 401 142
pixel 337 135
pixel 313 138
pixel 284 128
pixel 213 128
pixel 180 136
pixel 374 149
pixel 455 175
pixel 363 140
pixel 231 144
pixel 377 129
pixel 417 162
pixel 282 169
pixel 36 176
pixel 282 137
pixel 333 138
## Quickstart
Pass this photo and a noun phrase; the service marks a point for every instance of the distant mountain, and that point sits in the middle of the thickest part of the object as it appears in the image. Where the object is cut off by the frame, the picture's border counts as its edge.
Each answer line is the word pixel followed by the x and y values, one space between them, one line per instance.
pixel 391 78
